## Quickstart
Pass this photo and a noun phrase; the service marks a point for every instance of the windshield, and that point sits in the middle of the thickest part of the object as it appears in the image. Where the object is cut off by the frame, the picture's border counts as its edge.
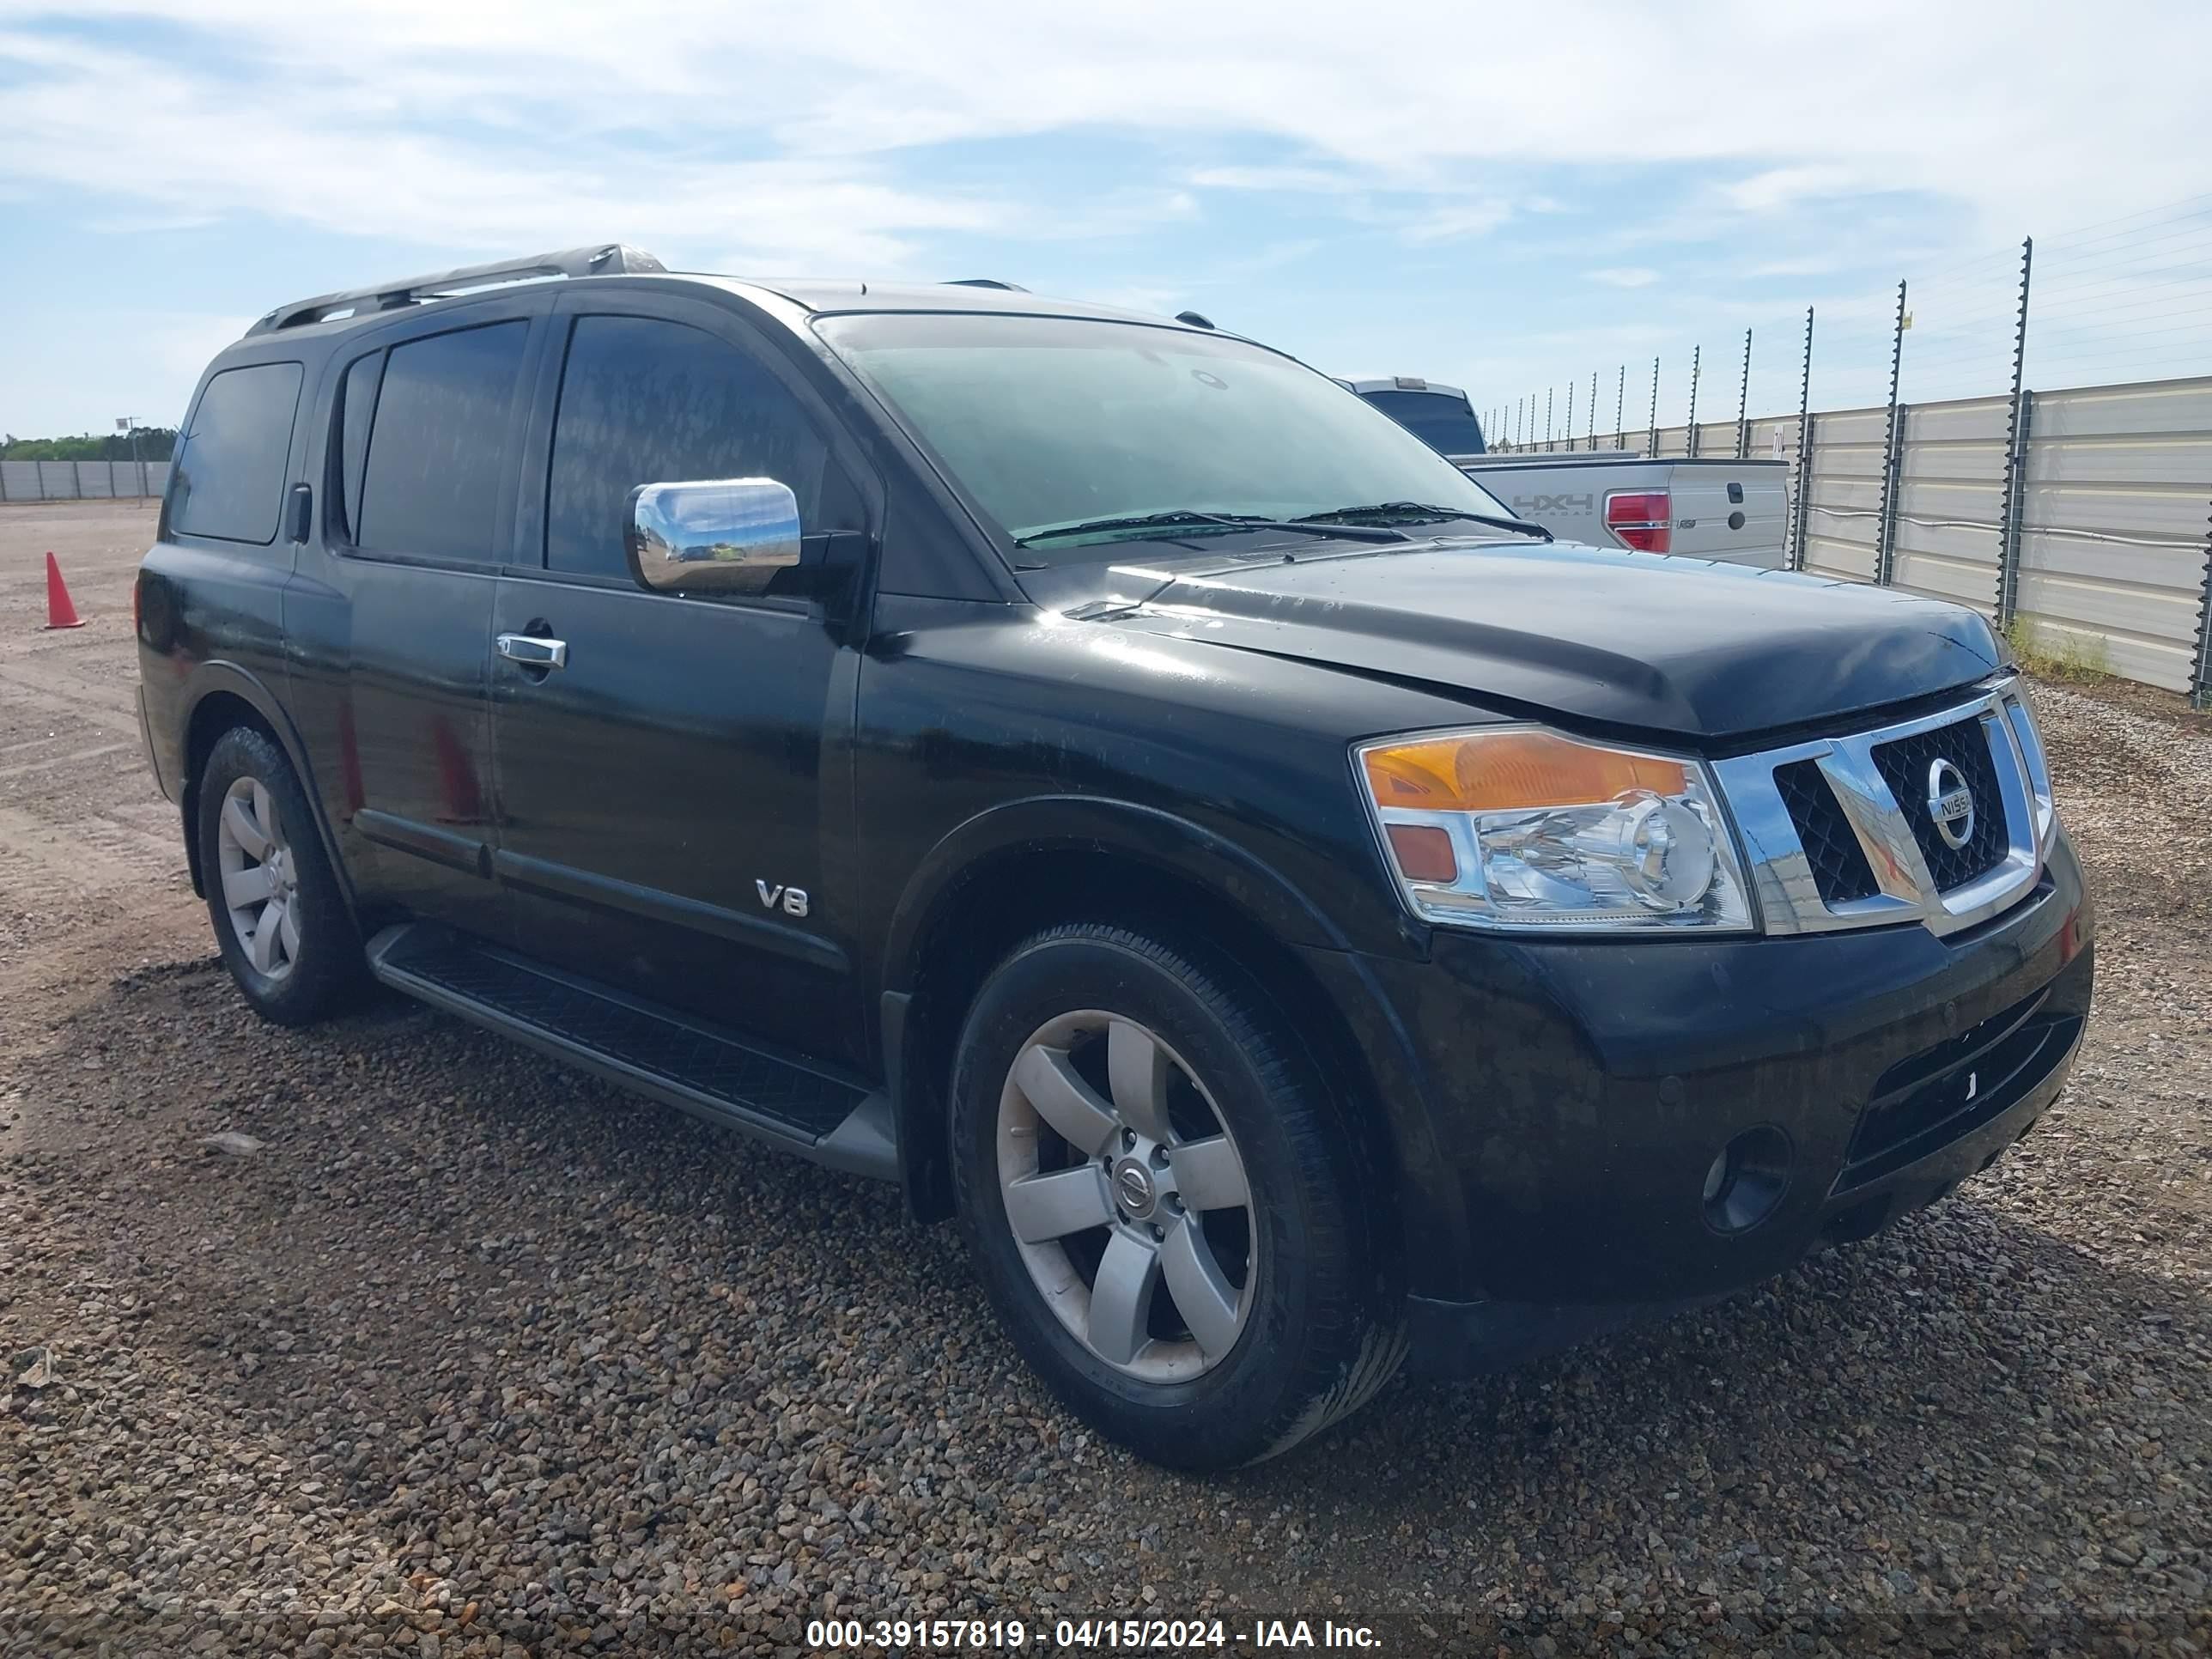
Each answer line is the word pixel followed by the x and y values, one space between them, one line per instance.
pixel 1061 430
pixel 1444 422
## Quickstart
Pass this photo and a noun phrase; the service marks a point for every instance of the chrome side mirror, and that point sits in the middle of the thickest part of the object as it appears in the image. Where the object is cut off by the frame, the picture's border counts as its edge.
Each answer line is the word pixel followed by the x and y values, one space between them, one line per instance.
pixel 718 536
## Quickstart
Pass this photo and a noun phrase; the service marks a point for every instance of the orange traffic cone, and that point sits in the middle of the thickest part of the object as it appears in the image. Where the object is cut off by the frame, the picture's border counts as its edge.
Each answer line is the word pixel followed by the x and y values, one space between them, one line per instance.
pixel 60 613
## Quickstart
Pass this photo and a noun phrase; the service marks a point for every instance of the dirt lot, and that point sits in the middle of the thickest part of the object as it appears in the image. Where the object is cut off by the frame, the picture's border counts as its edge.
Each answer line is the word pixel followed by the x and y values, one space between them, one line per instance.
pixel 472 1356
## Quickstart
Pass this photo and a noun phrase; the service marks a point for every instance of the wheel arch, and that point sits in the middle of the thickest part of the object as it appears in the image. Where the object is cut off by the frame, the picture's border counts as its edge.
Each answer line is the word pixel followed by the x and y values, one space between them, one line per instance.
pixel 1014 871
pixel 219 697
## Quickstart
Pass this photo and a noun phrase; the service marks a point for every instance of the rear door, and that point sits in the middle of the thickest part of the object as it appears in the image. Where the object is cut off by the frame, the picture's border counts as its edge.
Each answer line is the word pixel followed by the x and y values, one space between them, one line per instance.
pixel 675 795
pixel 389 618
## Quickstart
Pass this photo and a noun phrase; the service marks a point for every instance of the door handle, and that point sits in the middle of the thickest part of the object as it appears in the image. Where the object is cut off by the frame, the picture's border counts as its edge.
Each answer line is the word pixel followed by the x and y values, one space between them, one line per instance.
pixel 532 652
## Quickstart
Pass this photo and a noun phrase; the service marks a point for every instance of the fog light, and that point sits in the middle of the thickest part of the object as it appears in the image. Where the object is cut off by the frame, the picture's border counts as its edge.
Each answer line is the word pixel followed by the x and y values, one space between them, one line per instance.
pixel 1745 1181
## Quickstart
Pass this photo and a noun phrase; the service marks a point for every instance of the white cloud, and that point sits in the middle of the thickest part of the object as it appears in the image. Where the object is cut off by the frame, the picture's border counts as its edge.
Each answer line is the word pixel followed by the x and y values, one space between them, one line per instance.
pixel 105 119
pixel 1816 265
pixel 1782 187
pixel 1623 276
pixel 656 108
pixel 1455 221
pixel 1319 181
pixel 1846 130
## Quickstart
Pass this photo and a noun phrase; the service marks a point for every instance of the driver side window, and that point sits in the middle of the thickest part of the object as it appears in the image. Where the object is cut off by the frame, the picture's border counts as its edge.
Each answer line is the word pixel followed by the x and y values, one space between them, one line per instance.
pixel 645 401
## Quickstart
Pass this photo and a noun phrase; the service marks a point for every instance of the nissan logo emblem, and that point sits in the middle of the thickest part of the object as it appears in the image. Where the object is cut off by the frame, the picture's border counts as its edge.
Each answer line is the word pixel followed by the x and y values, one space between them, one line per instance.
pixel 1134 1189
pixel 1950 803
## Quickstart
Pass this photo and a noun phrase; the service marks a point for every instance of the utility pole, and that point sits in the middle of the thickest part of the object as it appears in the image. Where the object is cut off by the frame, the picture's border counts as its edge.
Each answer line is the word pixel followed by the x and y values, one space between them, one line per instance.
pixel 130 423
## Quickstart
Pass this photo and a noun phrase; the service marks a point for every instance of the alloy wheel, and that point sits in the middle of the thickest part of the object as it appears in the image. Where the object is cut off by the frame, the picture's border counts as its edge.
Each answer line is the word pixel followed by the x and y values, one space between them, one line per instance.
pixel 1126 1196
pixel 260 880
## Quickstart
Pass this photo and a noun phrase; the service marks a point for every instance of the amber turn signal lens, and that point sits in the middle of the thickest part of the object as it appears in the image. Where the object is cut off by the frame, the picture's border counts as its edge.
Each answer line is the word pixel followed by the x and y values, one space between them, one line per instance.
pixel 1494 771
pixel 1424 852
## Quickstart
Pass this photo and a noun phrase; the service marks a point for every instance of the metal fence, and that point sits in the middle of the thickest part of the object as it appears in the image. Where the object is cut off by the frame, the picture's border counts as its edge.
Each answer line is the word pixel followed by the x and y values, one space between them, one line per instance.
pixel 2080 519
pixel 83 481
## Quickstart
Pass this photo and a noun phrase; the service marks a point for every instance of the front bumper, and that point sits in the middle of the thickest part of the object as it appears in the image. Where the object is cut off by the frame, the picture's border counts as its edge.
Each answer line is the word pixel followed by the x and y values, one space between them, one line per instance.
pixel 1577 1095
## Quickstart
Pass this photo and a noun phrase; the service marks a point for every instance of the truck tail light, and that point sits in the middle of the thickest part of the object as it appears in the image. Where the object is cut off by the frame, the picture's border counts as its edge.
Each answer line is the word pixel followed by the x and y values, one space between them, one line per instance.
pixel 1641 519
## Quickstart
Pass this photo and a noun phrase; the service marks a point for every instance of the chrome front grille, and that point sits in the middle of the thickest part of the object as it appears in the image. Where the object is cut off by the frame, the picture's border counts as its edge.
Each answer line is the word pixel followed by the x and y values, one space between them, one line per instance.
pixel 1904 767
pixel 1839 868
pixel 1843 832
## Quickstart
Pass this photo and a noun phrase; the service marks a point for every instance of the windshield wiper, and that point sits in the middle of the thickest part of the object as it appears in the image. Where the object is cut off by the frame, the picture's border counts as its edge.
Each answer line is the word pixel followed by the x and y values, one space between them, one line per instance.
pixel 1418 511
pixel 1194 519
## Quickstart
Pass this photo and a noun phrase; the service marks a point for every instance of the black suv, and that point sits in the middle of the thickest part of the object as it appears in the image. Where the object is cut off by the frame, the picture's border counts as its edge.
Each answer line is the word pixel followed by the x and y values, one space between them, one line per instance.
pixel 1099 773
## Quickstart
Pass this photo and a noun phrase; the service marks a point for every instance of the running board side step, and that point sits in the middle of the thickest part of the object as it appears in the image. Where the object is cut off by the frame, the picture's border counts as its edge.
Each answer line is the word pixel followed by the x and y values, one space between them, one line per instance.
pixel 649 1050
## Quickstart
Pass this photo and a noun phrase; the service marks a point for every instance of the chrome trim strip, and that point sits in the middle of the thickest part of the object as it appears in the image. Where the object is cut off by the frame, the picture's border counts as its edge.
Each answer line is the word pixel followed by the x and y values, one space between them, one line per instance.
pixel 1780 874
pixel 1877 818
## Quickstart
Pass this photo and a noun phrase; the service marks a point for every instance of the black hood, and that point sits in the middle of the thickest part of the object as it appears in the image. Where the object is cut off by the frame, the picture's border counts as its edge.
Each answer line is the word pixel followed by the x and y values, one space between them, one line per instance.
pixel 1677 646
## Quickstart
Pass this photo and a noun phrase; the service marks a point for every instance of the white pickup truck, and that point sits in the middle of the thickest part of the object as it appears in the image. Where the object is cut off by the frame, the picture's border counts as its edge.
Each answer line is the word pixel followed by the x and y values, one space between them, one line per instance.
pixel 1735 511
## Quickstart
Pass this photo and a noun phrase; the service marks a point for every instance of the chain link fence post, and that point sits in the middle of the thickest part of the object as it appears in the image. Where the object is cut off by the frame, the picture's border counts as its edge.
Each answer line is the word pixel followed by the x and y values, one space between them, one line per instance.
pixel 2200 675
pixel 1804 452
pixel 1882 537
pixel 1652 451
pixel 1743 404
pixel 1620 411
pixel 1690 438
pixel 2016 430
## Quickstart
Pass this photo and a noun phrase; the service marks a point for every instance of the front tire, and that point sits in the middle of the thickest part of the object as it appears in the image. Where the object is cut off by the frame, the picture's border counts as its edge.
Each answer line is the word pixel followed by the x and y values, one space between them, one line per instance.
pixel 280 918
pixel 1167 1213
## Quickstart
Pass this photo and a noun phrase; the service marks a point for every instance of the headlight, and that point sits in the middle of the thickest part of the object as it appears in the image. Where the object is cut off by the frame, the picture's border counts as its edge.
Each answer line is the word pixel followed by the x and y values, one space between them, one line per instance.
pixel 1518 827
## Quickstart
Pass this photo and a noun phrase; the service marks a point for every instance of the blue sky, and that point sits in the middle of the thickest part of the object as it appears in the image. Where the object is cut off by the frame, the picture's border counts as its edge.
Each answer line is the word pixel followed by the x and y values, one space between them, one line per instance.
pixel 1496 200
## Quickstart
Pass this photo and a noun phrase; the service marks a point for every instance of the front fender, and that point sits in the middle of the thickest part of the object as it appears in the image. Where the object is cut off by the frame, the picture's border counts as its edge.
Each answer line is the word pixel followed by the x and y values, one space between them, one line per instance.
pixel 1429 1219
pixel 1096 824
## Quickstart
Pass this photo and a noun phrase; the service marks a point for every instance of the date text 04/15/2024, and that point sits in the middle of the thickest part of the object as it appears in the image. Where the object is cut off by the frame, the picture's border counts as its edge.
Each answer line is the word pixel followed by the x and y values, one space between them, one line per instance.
pixel 1264 1633
pixel 1112 1635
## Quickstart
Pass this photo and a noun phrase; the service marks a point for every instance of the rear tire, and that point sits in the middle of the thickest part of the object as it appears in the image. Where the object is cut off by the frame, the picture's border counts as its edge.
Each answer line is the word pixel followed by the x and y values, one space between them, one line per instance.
pixel 1165 1208
pixel 280 918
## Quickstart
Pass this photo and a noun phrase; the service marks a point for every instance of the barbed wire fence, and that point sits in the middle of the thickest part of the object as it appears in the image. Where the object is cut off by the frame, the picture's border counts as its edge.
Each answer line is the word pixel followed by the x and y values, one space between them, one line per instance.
pixel 2044 409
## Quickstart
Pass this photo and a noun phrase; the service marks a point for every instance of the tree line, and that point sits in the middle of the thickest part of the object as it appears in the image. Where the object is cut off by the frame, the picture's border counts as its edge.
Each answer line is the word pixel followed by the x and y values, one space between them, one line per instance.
pixel 155 443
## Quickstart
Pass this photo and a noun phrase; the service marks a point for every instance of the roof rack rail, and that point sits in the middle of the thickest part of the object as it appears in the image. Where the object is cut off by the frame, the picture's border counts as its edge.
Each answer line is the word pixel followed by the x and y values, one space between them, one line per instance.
pixel 599 259
pixel 985 282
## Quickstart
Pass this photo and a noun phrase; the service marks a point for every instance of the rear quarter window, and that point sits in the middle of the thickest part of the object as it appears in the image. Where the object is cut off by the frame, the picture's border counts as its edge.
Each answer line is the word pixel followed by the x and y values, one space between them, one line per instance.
pixel 230 476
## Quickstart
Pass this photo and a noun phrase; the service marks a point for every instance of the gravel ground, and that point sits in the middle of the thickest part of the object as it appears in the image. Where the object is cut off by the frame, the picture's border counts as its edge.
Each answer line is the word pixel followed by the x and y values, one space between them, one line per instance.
pixel 458 1352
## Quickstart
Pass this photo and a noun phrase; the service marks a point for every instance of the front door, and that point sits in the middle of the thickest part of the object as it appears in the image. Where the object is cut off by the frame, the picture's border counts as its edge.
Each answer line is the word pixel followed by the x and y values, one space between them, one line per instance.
pixel 665 790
